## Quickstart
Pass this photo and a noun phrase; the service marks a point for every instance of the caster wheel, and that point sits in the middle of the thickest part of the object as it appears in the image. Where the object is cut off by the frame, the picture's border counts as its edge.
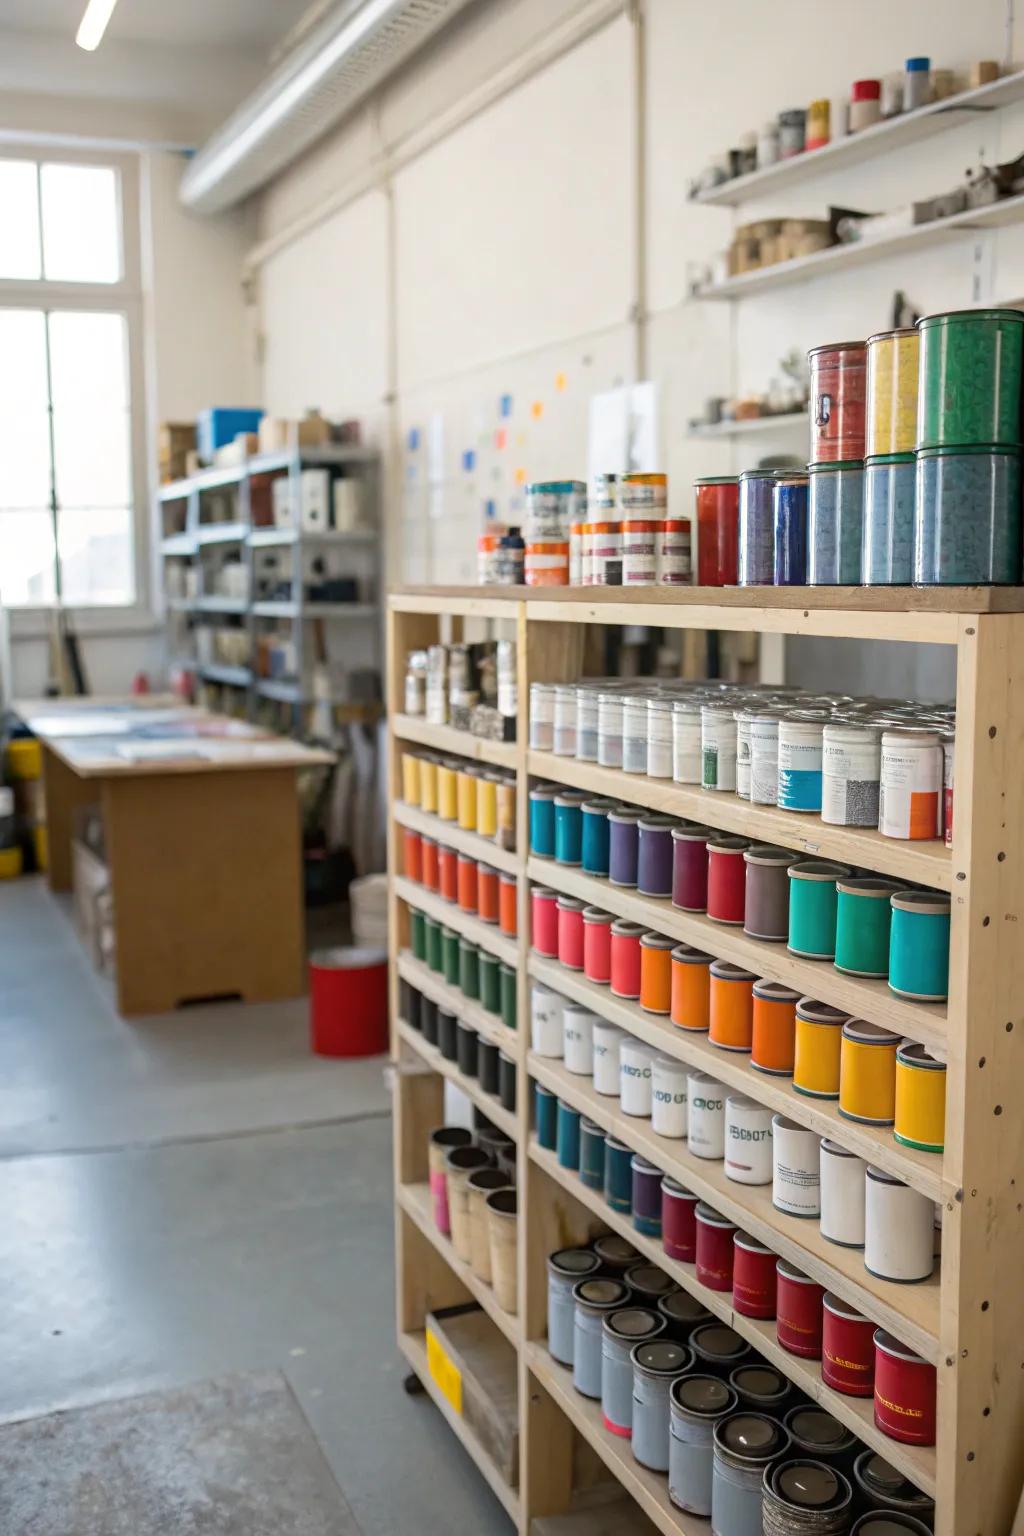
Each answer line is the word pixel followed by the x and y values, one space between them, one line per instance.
pixel 412 1386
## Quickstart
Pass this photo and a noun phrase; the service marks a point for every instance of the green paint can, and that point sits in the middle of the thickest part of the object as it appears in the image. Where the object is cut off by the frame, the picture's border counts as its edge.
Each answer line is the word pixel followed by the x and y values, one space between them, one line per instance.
pixel 450 956
pixel 490 981
pixel 863 919
pixel 508 995
pixel 970 378
pixel 418 933
pixel 435 957
pixel 469 969
pixel 812 907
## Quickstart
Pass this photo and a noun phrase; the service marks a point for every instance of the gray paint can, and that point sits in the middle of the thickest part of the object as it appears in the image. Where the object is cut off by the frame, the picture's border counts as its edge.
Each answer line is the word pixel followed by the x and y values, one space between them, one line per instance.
pixel 620 1332
pixel 745 1444
pixel 565 1269
pixel 655 1366
pixel 696 1403
pixel 592 1299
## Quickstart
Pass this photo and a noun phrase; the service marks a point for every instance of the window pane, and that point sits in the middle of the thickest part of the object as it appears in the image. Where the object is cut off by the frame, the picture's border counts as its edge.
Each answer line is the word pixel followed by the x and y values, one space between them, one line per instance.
pixel 26 557
pixel 81 239
pixel 22 358
pixel 92 454
pixel 89 359
pixel 19 227
pixel 96 556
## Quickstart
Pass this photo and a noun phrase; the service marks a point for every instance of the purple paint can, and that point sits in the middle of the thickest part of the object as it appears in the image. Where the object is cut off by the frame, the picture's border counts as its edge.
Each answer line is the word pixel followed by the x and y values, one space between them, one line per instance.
pixel 624 824
pixel 654 856
pixel 690 867
pixel 646 1196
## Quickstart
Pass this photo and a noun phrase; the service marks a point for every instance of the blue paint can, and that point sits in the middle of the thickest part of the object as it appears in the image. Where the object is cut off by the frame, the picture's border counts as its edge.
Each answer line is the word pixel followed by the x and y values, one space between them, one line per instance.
pixel 835 524
pixel 596 836
pixel 546 1116
pixel 618 1175
pixel 542 820
pixel 568 1136
pixel 756 565
pixel 569 826
pixel 789 507
pixel 888 545
pixel 967 517
pixel 592 1142
pixel 919 945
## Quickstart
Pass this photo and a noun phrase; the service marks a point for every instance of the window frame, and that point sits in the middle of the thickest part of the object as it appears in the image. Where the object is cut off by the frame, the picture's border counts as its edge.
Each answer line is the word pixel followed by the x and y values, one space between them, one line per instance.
pixel 126 296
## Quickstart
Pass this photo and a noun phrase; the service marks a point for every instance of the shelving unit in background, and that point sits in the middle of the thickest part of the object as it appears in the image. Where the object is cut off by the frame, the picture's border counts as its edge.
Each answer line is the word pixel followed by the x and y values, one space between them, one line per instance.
pixel 966 1320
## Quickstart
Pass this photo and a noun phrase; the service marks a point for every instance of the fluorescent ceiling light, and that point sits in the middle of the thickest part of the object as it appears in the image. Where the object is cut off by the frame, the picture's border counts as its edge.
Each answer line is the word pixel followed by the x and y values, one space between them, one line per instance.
pixel 94 23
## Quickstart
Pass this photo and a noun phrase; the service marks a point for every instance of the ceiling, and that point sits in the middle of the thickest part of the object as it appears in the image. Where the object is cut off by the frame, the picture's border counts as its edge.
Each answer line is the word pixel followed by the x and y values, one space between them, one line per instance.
pixel 253 25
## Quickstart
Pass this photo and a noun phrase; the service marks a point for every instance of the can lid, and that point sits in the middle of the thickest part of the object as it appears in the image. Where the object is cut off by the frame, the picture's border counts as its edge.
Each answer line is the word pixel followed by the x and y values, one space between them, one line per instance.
pixel 815 1427
pixel 892 1347
pixel 788 1271
pixel 633 1323
pixel 706 1396
pixel 901 330
pixel 712 1218
pixel 661 1357
pixel 911 1054
pixel 596 915
pixel 819 869
pixel 705 1080
pixel 888 458
pixel 657 823
pixel 744 1240
pixel 677 1191
pixel 971 317
pixel 650 1280
pixel 868 886
pixel 840 1308
pixel 866 1033
pixel 570 797
pixel 542 792
pixel 685 954
pixel 724 970
pixel 717 480
pixel 718 1340
pixel 643 1165
pixel 622 928
pixel 626 814
pixel 809 1009
pixel 751 1437
pixel 759 1380
pixel 810 1485
pixel 656 941
pixel 570 904
pixel 837 346
pixel 613 1249
pixel 727 843
pixel 991 450
pixel 600 1295
pixel 573 1261
pixel 880 1176
pixel 921 901
pixel 347 958
pixel 764 853
pixel 690 831
pixel 865 90
pixel 775 992
pixel 917 64
pixel 681 1307
pixel 599 806
pixel 836 1149
pixel 760 474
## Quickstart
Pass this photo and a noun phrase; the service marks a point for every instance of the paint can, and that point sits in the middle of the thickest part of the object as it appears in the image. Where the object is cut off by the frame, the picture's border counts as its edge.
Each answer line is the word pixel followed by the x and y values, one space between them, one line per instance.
pixel 756 552
pixel 656 1365
pixel 690 1004
pixel 640 552
pixel 748 1141
pixel 761 1388
pixel 608 1040
pixel 649 1283
pixel 625 958
pixel 970 378
pixel 835 524
pixel 773 1028
pixel 746 1444
pixel 606 554
pixel 656 973
pixel 546 1029
pixel 714 1253
pixel 507 898
pixel 799 1304
pixel 567 1136
pixel 412 855
pixel 448 788
pixel 948 754
pixel 850 773
pixel 718 1349
pixel 569 826
pixel 609 730
pixel 409 1004
pixel 466 782
pixel 863 922
pixel 634 733
pixel 431 863
pixel 597 945
pixel 428 1020
pixel 867 1073
pixel 635 1060
pixel 838 389
pixel 904 1392
pixel 509 1012
pixel 564 735
pixel 459 1163
pixel 428 782
pixel 730 1014
pixel 417 934
pixel 487 1065
pixel 659 739
pixel 618 1175
pixel 624 827
pixel 764 758
pixel 883 1487
pixel 816 1433
pixel 717 499
pixel 593 1300
pixel 753 1280
pixel 435 948
pixel 411 778
pixel 686 737
pixel 545 1112
pixel 466 1049
pixel 717 748
pixel 847 1349
pixel 696 1404
pixel 596 836
pixel 447 1036
pixel 888 545
pixel 919 945
pixel 910 794
pixel 442 1141
pixel 796 1176
pixel 507 1081
pixel 578 1035
pixel 766 894
pixel 726 896
pixel 542 717
pixel 592 1143
pixel 621 1331
pixel 566 1268
pixel 654 856
pixel 920 1115
pixel 586 725
pixel 569 916
pixel 805 1496
pixel 899 1229
pixel 800 761
pixel 842 1176
pixel 743 718
pixel 466 886
pixel 480 1184
pixel 616 1253
pixel 789 513
pixel 546 563
pixel 893 359
pixel 668 1097
pixel 813 900
pixel 818 1049
pixel 487 804
pixel 506 833
pixel 705 1116
pixel 690 867
pixel 678 1221
pixel 675 567
pixel 448 867
pixel 544 921
pixel 487 887
pixel 646 1185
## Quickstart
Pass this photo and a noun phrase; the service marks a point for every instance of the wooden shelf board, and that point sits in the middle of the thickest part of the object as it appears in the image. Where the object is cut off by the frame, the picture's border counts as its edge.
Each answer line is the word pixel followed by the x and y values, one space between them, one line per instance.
pixel 911 1312
pixel 414 1348
pixel 488 1025
pixel 453 836
pixel 923 863
pixel 923 1022
pixel 445 738
pixel 414 1200
pixel 487 935
pixel 915 1462
pixel 876 1144
pixel 489 1103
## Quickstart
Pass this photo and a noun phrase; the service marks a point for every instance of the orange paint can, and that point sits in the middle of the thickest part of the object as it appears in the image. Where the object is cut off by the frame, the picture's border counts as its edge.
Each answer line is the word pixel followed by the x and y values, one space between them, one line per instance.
pixel 773 1042
pixel 431 863
pixel 691 988
pixel 656 972
pixel 731 1011
pixel 487 893
pixel 507 897
pixel 448 864
pixel 412 855
pixel 466 875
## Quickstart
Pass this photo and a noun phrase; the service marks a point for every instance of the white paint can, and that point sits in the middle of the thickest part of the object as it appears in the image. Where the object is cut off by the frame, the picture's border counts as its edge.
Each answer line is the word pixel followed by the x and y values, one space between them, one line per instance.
pixel 796 1178
pixel 635 1061
pixel 910 796
pixel 899 1229
pixel 668 1096
pixel 743 721
pixel 607 1044
pixel 578 1038
pixel 705 1116
pixel 659 738
pixel 717 748
pixel 686 761
pixel 634 733
pixel 545 1021
pixel 748 1141
pixel 764 759
pixel 851 758
pixel 609 730
pixel 842 1195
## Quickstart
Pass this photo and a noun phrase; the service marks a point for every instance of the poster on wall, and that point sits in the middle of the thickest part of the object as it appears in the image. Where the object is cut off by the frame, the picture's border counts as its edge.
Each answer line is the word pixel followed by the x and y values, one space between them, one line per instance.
pixel 623 431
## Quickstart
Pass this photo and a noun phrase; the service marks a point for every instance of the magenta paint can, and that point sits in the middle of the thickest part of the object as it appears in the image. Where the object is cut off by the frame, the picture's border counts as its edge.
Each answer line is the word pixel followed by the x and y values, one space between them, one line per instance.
pixel 690 867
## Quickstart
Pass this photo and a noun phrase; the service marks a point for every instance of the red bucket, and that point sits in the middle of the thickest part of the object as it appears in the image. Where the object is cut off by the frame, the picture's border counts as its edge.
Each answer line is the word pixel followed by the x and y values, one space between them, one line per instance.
pixel 348 1002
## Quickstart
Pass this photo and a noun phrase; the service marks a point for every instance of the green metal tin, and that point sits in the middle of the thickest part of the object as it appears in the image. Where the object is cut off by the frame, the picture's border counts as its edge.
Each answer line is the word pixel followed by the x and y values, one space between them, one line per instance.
pixel 450 954
pixel 490 982
pixel 418 934
pixel 508 995
pixel 469 969
pixel 971 364
pixel 863 920
pixel 435 953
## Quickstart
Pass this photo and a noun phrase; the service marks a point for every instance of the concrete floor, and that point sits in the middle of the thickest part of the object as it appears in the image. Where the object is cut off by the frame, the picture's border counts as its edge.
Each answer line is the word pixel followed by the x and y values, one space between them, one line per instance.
pixel 193 1195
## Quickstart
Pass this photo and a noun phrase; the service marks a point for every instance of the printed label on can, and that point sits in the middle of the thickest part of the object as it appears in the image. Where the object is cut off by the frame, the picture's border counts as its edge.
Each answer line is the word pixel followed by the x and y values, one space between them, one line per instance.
pixel 909 796
pixel 849 788
pixel 764 762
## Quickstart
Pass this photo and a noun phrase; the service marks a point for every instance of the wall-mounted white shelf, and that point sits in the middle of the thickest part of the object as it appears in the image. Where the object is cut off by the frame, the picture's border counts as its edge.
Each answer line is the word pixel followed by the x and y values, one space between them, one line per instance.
pixel 275 538
pixel 311 610
pixel 750 427
pixel 218 672
pixel 220 533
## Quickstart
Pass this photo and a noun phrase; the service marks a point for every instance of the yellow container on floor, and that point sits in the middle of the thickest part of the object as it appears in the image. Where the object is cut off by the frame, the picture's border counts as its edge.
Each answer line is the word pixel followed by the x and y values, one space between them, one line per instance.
pixel 10 863
pixel 24 759
pixel 410 778
pixel 428 783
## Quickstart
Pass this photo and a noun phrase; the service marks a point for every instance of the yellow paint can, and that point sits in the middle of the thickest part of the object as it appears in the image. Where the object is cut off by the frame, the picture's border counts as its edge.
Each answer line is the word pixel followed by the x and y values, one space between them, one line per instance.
pixel 920 1098
pixel 891 425
pixel 487 804
pixel 447 789
pixel 428 783
pixel 867 1073
pixel 411 792
pixel 819 1030
pixel 467 783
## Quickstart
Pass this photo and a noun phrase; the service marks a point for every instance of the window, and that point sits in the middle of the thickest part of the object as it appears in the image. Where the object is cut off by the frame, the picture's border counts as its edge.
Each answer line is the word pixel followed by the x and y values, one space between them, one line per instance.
pixel 72 436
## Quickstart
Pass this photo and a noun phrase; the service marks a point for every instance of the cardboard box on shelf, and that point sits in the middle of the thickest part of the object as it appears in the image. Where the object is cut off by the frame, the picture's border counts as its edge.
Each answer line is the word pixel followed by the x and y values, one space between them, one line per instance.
pixel 245 444
pixel 279 434
pixel 175 441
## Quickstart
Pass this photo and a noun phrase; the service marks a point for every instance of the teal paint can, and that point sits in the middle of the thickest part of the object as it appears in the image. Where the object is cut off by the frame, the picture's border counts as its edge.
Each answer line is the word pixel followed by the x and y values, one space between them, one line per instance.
pixel 813 901
pixel 863 920
pixel 919 945
pixel 618 1175
pixel 569 826
pixel 592 1142
pixel 545 1106
pixel 597 836
pixel 542 820
pixel 568 1136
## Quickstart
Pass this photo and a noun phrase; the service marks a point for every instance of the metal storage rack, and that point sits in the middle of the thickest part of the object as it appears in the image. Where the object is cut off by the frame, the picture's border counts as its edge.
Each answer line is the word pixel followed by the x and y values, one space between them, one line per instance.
pixel 966 1319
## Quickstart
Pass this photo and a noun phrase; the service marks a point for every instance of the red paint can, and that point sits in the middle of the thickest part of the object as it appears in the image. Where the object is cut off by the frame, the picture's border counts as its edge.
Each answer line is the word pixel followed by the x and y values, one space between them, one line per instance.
pixel 714 1248
pixel 904 1392
pixel 544 921
pixel 412 855
pixel 467 885
pixel 430 855
pixel 487 892
pixel 448 864
pixel 597 945
pixel 690 868
pixel 678 1221
pixel 727 879
pixel 626 958
pixel 348 1002
pixel 847 1349
pixel 753 1277
pixel 570 932
pixel 798 1301
pixel 508 920
pixel 838 390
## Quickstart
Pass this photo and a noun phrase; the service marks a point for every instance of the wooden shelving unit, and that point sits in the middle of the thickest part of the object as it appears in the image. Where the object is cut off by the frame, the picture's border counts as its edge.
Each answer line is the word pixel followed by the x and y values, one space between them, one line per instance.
pixel 965 1319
